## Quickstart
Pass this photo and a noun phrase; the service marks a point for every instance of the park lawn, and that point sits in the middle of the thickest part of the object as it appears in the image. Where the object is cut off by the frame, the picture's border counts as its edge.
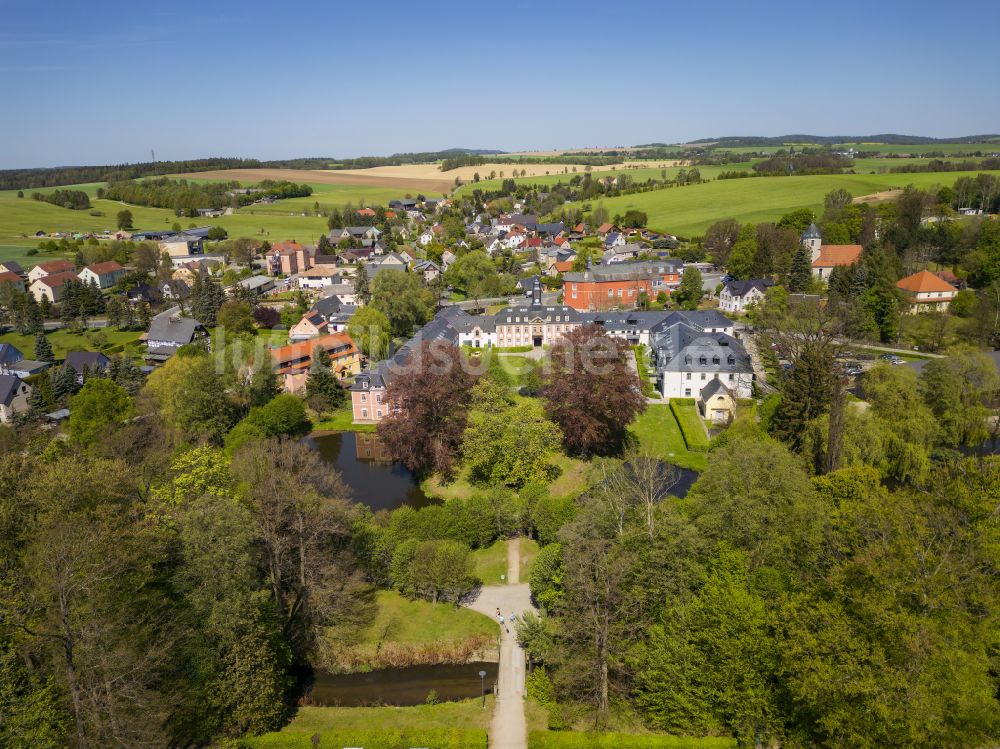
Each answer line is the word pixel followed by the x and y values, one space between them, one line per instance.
pixel 657 430
pixel 572 479
pixel 335 725
pixel 405 622
pixel 688 211
pixel 342 421
pixel 588 740
pixel 529 550
pixel 491 563
pixel 64 341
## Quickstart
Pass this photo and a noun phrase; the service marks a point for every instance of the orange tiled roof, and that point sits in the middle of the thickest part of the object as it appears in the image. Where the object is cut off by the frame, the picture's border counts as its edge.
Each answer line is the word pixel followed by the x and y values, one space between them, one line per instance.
pixel 831 255
pixel 57 266
pixel 296 357
pixel 563 266
pixel 923 282
pixel 57 279
pixel 8 276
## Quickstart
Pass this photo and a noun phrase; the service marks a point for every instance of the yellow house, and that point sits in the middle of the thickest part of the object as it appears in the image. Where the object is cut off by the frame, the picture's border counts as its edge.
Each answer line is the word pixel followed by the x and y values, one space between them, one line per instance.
pixel 717 402
pixel 925 292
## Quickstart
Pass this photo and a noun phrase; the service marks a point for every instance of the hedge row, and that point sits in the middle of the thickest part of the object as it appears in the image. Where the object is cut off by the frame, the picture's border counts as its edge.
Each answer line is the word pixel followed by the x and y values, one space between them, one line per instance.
pixel 579 740
pixel 444 738
pixel 693 431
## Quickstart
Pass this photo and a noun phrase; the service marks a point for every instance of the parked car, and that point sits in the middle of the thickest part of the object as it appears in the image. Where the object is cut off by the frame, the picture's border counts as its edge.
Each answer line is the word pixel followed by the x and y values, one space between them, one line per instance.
pixel 854 370
pixel 892 359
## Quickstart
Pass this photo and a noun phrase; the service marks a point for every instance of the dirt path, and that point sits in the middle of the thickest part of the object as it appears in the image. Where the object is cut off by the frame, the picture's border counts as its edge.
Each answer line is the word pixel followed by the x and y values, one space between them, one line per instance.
pixel 508 729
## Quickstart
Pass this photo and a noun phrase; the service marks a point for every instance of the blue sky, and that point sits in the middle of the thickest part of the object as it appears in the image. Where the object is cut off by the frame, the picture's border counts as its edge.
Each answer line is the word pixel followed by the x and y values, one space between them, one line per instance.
pixel 94 83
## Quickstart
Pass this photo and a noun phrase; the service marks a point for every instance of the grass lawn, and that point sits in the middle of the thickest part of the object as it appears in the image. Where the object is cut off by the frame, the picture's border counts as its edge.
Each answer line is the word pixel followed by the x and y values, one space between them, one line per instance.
pixel 405 633
pixel 529 550
pixel 64 341
pixel 491 563
pixel 465 721
pixel 658 431
pixel 573 477
pixel 587 740
pixel 691 425
pixel 689 210
pixel 341 421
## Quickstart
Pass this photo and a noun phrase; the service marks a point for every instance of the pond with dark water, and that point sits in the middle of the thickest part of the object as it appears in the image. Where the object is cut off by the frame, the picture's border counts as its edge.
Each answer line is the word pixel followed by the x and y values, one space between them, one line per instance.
pixel 375 479
pixel 402 686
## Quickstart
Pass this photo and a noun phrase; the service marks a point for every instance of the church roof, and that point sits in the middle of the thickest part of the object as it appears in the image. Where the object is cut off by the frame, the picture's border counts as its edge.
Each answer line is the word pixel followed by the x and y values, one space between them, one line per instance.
pixel 831 255
pixel 812 232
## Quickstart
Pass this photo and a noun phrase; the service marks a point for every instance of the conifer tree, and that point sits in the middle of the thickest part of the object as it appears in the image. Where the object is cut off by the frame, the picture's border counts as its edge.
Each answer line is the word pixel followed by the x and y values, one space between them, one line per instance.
pixel 800 274
pixel 43 349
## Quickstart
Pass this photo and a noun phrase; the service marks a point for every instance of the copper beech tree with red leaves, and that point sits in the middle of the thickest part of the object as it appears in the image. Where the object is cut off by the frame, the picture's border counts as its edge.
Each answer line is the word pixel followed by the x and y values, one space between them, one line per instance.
pixel 591 391
pixel 429 399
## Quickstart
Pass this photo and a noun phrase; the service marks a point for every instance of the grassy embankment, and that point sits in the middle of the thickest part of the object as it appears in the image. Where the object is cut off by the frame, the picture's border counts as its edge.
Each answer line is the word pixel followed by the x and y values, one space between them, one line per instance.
pixel 408 632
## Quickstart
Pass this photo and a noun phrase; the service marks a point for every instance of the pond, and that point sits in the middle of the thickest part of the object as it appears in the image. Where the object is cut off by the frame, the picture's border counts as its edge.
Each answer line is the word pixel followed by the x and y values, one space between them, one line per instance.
pixel 402 686
pixel 374 478
pixel 685 480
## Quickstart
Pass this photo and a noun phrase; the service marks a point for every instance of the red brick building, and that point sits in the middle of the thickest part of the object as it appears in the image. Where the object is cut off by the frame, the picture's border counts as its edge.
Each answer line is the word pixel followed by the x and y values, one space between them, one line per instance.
pixel 619 285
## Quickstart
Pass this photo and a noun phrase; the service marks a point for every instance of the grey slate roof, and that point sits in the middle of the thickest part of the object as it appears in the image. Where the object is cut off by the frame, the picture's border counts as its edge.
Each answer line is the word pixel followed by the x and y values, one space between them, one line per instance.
pixel 81 360
pixel 812 232
pixel 9 385
pixel 625 271
pixel 681 348
pixel 713 387
pixel 173 329
pixel 739 288
pixel 9 353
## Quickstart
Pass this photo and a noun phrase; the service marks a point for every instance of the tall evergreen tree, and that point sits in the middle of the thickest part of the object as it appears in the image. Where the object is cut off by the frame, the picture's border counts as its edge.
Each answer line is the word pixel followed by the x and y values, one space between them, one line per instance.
pixel 362 290
pixel 43 349
pixel 322 389
pixel 800 275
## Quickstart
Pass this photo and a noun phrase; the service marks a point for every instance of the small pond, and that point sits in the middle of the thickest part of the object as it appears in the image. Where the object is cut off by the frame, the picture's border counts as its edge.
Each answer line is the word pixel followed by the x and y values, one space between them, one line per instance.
pixel 685 480
pixel 374 478
pixel 402 686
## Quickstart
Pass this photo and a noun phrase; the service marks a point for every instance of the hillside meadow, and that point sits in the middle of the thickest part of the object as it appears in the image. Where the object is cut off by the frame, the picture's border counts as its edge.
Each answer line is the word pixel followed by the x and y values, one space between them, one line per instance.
pixel 688 211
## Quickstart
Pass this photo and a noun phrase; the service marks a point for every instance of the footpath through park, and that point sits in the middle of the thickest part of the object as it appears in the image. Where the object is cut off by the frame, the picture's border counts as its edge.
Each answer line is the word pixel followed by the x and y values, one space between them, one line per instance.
pixel 508 729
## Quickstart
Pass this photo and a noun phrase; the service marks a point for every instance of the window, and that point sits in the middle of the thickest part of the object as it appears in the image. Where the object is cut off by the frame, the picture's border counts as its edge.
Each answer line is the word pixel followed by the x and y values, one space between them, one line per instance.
pixel 378 398
pixel 702 360
pixel 732 377
pixel 379 413
pixel 702 376
pixel 611 292
pixel 364 413
pixel 687 376
pixel 687 392
pixel 715 360
pixel 364 398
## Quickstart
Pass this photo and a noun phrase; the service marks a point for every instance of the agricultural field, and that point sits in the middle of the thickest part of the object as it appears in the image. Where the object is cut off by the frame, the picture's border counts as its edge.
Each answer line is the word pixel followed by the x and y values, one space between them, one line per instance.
pixel 922 148
pixel 688 211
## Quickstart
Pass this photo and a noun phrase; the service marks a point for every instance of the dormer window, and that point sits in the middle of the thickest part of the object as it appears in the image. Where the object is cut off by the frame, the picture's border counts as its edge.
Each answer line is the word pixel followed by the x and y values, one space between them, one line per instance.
pixel 715 360
pixel 702 360
pixel 731 360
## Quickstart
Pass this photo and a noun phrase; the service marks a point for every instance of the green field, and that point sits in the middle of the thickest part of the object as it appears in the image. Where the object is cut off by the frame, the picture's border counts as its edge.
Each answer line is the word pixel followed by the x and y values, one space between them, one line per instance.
pixel 491 563
pixel 922 148
pixel 688 211
pixel 658 432
pixel 63 341
pixel 449 725
pixel 685 411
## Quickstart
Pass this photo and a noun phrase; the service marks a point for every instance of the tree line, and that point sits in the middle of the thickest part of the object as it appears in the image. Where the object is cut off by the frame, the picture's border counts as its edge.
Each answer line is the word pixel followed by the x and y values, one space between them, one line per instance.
pixel 72 199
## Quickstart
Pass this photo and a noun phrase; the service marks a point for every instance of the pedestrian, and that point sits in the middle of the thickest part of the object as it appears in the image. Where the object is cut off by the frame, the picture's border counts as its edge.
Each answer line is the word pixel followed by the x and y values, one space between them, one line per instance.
pixel 500 617
pixel 513 616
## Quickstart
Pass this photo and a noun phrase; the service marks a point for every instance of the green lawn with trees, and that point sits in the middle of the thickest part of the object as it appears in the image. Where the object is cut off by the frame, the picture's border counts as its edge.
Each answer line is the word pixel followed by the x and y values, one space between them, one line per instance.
pixel 62 341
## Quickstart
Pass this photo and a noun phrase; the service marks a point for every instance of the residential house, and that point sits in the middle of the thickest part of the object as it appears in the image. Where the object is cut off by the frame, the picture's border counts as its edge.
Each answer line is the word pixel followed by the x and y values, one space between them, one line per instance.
pixel 9 266
pixel 51 286
pixel 312 325
pixel 86 363
pixel 739 296
pixel 622 252
pixel 51 268
pixel 168 332
pixel 392 261
pixel 447 258
pixel 826 257
pixel 14 394
pixel 319 277
pixel 9 355
pixel 614 239
pixel 177 288
pixel 12 278
pixel 292 362
pixel 105 275
pixel 407 256
pixel 426 237
pixel 603 287
pixel 288 258
pixel 605 229
pixel 428 269
pixel 926 292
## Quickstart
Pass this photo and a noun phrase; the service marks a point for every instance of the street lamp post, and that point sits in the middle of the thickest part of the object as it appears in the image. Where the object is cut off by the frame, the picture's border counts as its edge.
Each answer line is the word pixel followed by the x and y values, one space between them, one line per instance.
pixel 482 684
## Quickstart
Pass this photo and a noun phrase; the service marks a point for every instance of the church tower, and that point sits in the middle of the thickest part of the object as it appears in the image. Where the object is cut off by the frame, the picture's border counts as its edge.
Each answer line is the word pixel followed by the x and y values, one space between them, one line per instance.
pixel 536 294
pixel 811 238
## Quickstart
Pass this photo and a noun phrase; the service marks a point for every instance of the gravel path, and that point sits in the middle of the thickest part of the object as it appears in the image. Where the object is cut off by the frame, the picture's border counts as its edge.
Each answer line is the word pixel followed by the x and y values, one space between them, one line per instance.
pixel 508 729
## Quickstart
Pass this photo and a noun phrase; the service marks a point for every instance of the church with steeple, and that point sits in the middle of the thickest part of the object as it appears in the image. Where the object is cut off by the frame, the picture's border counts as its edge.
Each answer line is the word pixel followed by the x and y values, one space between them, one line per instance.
pixel 826 257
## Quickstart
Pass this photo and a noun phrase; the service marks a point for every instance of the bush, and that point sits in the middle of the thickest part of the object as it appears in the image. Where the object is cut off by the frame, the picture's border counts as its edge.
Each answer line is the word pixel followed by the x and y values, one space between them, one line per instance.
pixel 546 576
pixel 693 431
pixel 549 515
pixel 586 740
